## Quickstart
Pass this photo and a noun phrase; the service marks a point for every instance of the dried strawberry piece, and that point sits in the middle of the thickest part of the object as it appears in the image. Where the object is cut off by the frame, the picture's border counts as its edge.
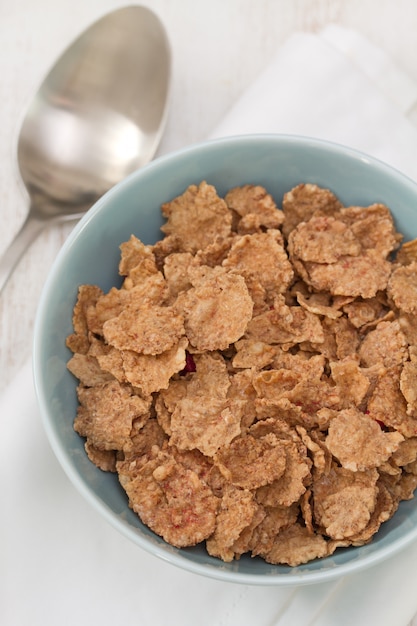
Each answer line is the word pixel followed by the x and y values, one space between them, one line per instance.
pixel 190 365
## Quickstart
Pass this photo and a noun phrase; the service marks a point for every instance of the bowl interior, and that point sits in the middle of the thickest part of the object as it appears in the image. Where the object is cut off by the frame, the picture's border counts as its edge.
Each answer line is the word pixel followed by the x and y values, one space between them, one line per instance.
pixel 91 255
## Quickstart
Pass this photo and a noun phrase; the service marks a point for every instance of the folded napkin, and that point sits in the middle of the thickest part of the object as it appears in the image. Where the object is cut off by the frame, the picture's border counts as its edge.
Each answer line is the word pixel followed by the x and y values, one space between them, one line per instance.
pixel 60 563
pixel 335 86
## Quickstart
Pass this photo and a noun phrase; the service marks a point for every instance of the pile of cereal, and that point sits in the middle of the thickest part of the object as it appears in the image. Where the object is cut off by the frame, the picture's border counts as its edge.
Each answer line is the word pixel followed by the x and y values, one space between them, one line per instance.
pixel 254 380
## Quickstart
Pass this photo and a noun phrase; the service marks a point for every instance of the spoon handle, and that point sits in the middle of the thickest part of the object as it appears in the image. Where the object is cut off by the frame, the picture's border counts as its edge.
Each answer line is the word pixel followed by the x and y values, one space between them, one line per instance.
pixel 30 229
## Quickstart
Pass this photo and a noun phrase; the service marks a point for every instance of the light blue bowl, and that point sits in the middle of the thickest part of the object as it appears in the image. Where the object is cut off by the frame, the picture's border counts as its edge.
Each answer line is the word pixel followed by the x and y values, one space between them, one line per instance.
pixel 91 255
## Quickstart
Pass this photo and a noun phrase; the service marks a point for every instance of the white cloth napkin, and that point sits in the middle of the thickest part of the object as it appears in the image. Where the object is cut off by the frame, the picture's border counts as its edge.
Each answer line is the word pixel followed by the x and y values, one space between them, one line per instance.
pixel 60 563
pixel 335 86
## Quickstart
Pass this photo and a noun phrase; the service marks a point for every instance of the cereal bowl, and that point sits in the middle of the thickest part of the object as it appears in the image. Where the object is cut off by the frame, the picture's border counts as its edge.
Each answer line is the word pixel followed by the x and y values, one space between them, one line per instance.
pixel 91 255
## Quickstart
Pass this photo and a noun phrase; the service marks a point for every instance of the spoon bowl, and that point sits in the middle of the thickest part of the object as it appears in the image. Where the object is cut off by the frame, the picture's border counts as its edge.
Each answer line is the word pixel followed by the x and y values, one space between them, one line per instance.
pixel 98 116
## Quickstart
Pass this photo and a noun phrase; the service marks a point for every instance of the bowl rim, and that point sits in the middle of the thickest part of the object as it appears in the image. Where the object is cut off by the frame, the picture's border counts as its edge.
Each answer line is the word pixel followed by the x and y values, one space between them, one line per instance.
pixel 165 552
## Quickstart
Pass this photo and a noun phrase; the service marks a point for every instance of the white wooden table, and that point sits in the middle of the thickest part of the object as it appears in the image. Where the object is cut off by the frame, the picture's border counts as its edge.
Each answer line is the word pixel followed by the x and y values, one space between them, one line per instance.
pixel 219 47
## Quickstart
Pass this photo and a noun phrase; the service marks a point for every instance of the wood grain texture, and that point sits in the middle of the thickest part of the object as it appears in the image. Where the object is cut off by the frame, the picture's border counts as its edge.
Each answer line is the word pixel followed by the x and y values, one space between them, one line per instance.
pixel 218 49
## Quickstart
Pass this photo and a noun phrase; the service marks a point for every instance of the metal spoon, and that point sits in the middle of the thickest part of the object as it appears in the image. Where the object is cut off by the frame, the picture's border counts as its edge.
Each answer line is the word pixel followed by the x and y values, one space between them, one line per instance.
pixel 98 116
